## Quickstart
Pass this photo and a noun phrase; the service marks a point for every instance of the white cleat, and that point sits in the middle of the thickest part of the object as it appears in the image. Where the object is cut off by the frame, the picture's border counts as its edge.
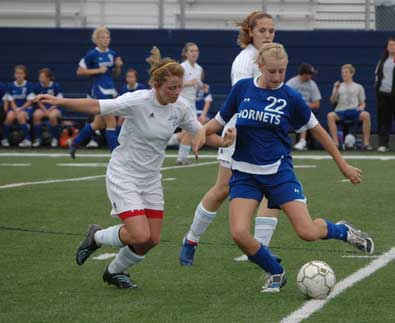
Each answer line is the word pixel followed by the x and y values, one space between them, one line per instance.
pixel 92 144
pixel 241 258
pixel 273 283
pixel 300 145
pixel 36 143
pixel 359 239
pixel 54 143
pixel 25 143
pixel 5 143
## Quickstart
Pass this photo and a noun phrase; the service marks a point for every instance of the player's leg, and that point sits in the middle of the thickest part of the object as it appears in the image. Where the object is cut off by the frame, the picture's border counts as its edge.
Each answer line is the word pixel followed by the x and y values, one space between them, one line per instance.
pixel 9 120
pixel 205 214
pixel 302 143
pixel 364 116
pixel 111 132
pixel 38 116
pixel 184 149
pixel 22 118
pixel 332 117
pixel 53 117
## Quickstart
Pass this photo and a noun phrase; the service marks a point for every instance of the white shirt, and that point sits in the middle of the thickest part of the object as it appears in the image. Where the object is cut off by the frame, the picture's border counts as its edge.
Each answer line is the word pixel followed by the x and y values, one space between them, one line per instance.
pixel 244 65
pixel 350 96
pixel 308 89
pixel 388 68
pixel 147 128
pixel 190 73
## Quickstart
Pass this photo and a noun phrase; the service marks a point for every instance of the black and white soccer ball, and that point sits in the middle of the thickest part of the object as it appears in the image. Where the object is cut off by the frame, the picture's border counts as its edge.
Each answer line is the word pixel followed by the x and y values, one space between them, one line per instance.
pixel 316 279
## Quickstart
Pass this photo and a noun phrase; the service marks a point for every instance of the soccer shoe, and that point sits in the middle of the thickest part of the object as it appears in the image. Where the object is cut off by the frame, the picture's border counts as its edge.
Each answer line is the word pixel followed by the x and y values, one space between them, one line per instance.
pixel 300 145
pixel 187 252
pixel 183 162
pixel 25 143
pixel 54 143
pixel 92 144
pixel 5 143
pixel 358 238
pixel 72 150
pixel 36 143
pixel 382 149
pixel 121 280
pixel 88 245
pixel 245 258
pixel 273 283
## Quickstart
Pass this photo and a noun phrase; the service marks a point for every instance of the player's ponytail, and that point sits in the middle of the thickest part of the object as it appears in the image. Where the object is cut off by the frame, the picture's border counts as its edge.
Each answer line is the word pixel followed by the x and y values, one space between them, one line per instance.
pixel 162 68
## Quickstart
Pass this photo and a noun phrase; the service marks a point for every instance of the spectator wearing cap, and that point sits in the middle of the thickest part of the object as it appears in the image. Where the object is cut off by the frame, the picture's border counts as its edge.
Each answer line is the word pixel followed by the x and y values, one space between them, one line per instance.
pixel 385 92
pixel 304 84
pixel 349 100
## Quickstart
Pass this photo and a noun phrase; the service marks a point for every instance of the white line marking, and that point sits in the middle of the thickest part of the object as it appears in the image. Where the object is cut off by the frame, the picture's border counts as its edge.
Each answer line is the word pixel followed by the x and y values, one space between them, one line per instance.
pixel 82 164
pixel 315 305
pixel 105 256
pixel 169 179
pixel 344 180
pixel 77 179
pixel 364 257
pixel 15 164
pixel 305 166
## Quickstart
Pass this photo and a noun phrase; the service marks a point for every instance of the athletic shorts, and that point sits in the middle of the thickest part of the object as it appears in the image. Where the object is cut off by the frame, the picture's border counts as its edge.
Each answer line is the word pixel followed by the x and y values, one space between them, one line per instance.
pixel 128 194
pixel 278 188
pixel 225 153
pixel 100 93
pixel 349 115
pixel 29 111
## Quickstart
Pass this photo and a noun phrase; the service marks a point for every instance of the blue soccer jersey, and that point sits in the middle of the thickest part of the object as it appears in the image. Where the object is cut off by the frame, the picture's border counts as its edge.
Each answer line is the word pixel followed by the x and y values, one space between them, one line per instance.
pixel 53 88
pixel 138 86
pixel 264 117
pixel 201 98
pixel 102 84
pixel 2 93
pixel 20 93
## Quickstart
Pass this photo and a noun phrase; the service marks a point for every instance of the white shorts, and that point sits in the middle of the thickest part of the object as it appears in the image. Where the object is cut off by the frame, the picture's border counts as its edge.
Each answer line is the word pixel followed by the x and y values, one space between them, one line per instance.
pixel 127 193
pixel 225 153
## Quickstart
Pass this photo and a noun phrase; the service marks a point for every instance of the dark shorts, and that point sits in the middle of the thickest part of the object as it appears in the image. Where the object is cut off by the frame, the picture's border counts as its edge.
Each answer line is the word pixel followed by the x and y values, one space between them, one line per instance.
pixel 349 115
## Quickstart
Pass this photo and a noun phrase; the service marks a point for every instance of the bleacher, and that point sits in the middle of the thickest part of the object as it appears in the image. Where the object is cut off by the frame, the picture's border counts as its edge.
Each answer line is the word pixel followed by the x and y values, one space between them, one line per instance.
pixel 61 50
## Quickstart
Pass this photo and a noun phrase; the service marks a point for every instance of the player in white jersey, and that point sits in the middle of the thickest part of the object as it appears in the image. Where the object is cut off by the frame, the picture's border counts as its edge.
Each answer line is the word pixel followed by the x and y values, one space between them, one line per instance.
pixel 256 30
pixel 133 176
pixel 192 82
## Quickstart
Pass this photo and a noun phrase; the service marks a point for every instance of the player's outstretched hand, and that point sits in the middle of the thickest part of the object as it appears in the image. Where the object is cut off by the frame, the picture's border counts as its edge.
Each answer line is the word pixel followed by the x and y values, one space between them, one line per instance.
pixel 46 99
pixel 229 137
pixel 352 173
pixel 198 141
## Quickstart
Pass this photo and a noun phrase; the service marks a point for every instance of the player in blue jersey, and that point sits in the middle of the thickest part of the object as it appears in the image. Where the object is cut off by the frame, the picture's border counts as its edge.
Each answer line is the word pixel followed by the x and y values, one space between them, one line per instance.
pixel 46 85
pixel 262 164
pixel 101 64
pixel 19 95
pixel 204 100
pixel 131 85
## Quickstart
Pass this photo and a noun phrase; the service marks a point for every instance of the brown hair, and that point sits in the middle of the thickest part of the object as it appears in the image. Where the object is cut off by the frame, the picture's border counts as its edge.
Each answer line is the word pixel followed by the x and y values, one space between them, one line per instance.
pixel 23 68
pixel 132 70
pixel 162 68
pixel 186 48
pixel 47 72
pixel 248 24
pixel 274 50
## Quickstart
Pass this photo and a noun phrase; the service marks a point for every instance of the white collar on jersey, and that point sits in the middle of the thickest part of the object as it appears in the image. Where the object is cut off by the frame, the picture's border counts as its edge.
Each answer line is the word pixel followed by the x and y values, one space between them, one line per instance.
pixel 257 85
pixel 102 51
pixel 20 85
pixel 49 85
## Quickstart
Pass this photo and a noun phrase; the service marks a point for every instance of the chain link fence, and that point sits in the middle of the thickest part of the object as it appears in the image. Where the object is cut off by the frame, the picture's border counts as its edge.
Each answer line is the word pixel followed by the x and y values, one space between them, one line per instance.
pixel 385 14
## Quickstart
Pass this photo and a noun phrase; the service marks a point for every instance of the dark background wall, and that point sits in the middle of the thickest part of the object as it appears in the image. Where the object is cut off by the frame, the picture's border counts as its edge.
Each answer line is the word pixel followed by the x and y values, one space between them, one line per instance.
pixel 61 50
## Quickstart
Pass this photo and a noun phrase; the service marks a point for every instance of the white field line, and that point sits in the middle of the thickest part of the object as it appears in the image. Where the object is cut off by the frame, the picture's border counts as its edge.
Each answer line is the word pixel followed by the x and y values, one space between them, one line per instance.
pixel 82 164
pixel 312 306
pixel 78 179
pixel 169 179
pixel 362 257
pixel 15 164
pixel 209 156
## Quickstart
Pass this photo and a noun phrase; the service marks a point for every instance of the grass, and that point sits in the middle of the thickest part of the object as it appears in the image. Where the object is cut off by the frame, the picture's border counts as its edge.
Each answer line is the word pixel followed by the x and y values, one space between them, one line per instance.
pixel 41 226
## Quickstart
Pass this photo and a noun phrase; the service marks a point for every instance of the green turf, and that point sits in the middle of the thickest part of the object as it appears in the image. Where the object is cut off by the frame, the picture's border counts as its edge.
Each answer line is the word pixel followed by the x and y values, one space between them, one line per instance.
pixel 41 226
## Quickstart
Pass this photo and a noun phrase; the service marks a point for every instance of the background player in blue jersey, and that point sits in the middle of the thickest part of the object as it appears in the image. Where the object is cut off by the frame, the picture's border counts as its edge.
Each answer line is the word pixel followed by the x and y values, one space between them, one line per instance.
pixel 101 64
pixel 46 85
pixel 262 165
pixel 3 101
pixel 204 100
pixel 19 95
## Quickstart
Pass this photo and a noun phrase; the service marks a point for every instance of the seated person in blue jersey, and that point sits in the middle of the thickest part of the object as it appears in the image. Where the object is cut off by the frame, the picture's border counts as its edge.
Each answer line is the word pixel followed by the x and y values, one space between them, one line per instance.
pixel 47 85
pixel 101 64
pixel 19 96
pixel 349 98
pixel 262 162
pixel 131 85
pixel 3 101
pixel 203 103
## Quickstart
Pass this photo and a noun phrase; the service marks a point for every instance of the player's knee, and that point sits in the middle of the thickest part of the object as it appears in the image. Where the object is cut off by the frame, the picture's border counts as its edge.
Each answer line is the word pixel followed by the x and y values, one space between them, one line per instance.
pixel 154 240
pixel 365 116
pixel 331 116
pixel 308 235
pixel 239 236
pixel 221 192
pixel 139 237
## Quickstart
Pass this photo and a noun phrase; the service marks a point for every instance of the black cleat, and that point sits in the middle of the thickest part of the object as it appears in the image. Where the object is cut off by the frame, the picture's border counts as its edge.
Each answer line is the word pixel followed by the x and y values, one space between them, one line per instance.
pixel 88 245
pixel 72 150
pixel 121 280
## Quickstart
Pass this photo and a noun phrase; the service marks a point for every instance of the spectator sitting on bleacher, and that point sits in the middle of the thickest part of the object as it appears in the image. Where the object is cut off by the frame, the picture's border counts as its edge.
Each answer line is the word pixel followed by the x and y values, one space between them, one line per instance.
pixel 203 103
pixel 131 85
pixel 19 95
pixel 46 85
pixel 349 98
pixel 304 84
pixel 3 101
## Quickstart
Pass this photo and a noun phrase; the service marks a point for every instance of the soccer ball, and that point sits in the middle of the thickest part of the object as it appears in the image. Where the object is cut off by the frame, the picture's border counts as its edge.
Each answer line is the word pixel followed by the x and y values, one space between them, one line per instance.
pixel 316 279
pixel 349 141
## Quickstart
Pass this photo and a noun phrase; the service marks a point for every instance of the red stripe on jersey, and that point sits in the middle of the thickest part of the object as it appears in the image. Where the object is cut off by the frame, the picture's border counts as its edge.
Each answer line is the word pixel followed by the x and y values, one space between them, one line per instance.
pixel 129 214
pixel 154 214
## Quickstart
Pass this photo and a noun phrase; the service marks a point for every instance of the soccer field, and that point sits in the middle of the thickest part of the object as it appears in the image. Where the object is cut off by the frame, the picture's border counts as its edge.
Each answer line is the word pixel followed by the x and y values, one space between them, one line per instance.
pixel 43 220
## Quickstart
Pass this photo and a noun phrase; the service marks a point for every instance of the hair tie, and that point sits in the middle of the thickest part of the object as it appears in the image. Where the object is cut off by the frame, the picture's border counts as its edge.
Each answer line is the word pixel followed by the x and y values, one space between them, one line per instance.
pixel 161 67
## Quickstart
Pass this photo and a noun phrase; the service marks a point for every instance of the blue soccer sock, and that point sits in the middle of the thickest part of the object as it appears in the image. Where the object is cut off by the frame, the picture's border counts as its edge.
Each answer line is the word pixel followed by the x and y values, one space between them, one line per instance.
pixel 25 131
pixel 84 135
pixel 264 259
pixel 118 130
pixel 54 131
pixel 112 138
pixel 336 231
pixel 37 130
pixel 6 131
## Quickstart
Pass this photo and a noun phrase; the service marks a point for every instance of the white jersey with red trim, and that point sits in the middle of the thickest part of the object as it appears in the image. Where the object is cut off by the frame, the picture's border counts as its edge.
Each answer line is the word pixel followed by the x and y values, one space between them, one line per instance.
pixel 190 92
pixel 146 131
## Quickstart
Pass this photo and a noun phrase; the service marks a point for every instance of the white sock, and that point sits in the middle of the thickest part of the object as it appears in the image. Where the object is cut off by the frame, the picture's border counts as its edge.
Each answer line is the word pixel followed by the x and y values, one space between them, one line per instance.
pixel 183 152
pixel 174 141
pixel 109 236
pixel 264 229
pixel 201 221
pixel 124 259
